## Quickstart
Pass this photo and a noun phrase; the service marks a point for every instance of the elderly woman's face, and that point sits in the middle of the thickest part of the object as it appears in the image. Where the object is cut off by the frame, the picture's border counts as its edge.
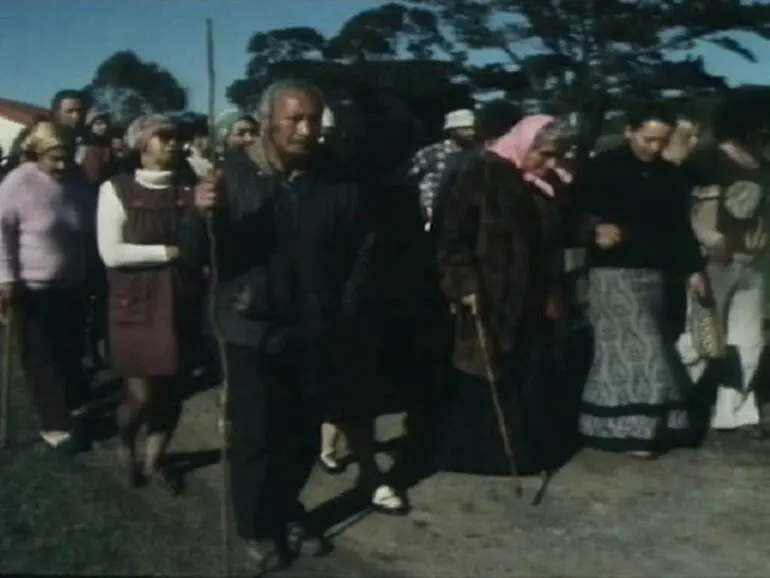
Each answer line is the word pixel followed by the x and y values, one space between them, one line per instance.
pixel 541 160
pixel 55 162
pixel 242 135
pixel 163 147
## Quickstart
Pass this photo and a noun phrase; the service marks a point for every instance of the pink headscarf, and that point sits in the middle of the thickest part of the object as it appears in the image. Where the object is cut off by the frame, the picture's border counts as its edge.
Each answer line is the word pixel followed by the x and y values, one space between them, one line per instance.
pixel 515 145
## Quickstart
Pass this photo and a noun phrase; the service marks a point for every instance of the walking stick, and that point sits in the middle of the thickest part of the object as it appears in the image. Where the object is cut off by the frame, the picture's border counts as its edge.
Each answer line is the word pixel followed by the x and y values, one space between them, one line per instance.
pixel 221 350
pixel 5 379
pixel 492 379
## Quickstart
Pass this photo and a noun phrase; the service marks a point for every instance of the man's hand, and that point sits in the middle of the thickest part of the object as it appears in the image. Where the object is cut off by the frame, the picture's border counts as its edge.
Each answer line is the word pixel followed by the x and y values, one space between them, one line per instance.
pixel 471 302
pixel 206 193
pixel 607 235
pixel 172 253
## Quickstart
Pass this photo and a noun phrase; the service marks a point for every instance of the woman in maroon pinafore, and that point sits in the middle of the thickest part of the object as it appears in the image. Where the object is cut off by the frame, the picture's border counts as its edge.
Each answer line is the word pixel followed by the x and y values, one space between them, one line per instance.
pixel 155 301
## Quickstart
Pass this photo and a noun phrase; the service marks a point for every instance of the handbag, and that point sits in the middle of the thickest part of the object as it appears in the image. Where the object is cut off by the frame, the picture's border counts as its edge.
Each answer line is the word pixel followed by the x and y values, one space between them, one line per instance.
pixel 707 329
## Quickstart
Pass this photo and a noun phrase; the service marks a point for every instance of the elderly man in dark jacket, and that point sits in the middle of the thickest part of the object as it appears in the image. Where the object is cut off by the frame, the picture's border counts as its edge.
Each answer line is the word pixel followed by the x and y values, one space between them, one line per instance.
pixel 292 254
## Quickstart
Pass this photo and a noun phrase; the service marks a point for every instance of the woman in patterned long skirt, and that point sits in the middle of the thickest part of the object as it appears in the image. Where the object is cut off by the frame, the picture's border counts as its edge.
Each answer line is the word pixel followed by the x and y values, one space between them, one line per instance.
pixel 635 397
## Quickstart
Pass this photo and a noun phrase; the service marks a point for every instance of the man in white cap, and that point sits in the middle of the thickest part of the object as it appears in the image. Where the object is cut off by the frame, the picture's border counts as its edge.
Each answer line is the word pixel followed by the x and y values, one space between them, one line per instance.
pixel 429 163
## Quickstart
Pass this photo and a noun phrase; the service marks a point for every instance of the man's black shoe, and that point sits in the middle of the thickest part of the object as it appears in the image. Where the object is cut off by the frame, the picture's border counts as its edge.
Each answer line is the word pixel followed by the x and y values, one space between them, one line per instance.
pixel 267 555
pixel 303 542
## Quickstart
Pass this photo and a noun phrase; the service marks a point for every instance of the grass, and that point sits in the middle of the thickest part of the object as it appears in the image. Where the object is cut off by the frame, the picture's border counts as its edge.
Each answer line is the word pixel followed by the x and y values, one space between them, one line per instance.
pixel 64 516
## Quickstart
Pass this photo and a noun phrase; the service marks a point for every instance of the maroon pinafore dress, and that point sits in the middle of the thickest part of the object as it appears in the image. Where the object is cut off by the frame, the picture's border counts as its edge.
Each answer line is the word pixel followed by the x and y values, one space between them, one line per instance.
pixel 154 311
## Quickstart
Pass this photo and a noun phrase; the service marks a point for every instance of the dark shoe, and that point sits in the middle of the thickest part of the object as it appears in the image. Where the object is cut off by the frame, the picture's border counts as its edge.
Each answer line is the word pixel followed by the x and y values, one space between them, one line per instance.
pixel 756 432
pixel 130 471
pixel 167 480
pixel 303 542
pixel 268 555
pixel 330 464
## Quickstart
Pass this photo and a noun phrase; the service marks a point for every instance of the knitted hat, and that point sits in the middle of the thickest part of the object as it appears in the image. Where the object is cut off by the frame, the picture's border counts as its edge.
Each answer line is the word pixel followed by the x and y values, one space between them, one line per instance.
pixel 143 128
pixel 225 121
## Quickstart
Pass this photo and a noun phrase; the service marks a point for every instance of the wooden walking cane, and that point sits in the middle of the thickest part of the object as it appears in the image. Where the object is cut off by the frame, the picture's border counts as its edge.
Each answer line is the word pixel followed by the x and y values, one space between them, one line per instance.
pixel 221 350
pixel 492 379
pixel 6 377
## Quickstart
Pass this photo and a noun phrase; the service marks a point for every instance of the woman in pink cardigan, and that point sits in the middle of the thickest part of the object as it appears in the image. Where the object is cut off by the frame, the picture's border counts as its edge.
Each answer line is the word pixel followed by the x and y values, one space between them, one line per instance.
pixel 46 217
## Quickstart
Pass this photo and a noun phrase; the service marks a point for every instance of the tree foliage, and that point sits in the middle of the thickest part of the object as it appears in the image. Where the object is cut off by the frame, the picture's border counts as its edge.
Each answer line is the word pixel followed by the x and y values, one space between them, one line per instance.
pixel 420 58
pixel 127 86
pixel 388 71
pixel 593 55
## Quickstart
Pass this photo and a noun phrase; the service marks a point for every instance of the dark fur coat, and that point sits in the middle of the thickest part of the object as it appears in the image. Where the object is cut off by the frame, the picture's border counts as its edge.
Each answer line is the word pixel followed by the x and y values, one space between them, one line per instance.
pixel 500 238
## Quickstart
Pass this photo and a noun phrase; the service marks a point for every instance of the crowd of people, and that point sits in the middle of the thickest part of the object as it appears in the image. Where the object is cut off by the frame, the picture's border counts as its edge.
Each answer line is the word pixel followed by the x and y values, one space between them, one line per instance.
pixel 327 286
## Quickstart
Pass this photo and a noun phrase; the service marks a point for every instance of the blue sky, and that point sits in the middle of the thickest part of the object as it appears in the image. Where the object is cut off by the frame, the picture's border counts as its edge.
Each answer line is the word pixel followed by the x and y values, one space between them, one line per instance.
pixel 46 45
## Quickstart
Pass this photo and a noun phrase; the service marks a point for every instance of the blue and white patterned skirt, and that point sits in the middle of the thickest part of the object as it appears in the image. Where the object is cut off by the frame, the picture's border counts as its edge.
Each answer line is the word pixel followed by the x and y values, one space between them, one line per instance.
pixel 635 396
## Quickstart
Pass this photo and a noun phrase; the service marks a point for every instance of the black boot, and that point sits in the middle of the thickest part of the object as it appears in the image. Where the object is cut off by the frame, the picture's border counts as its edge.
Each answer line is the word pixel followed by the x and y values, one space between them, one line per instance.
pixel 305 542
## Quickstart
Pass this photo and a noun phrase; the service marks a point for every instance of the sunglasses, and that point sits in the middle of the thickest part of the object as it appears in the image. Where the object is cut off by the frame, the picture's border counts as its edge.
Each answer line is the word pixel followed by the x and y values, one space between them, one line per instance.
pixel 167 134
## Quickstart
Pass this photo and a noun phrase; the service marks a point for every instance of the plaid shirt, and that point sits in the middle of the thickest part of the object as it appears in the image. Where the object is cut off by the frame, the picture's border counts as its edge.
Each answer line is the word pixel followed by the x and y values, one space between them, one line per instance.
pixel 427 168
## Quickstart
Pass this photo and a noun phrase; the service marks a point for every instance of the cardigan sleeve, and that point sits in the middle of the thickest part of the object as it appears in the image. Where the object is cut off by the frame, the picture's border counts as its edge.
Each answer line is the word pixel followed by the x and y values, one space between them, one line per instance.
pixel 114 251
pixel 9 229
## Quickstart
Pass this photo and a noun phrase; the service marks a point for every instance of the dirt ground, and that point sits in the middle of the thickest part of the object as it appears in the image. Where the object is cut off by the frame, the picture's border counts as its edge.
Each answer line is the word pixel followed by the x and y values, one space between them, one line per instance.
pixel 699 513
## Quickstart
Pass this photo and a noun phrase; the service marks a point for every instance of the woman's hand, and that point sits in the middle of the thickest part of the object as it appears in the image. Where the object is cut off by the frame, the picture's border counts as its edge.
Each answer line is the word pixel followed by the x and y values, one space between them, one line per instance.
pixel 719 252
pixel 697 286
pixel 608 235
pixel 6 302
pixel 554 308
pixel 756 240
pixel 243 299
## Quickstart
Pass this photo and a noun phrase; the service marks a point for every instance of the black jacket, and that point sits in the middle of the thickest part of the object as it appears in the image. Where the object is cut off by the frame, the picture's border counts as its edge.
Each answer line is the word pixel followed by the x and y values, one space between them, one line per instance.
pixel 300 248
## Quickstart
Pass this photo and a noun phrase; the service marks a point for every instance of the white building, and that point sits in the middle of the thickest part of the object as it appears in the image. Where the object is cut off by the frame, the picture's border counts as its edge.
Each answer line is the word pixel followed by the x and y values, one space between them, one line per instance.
pixel 14 116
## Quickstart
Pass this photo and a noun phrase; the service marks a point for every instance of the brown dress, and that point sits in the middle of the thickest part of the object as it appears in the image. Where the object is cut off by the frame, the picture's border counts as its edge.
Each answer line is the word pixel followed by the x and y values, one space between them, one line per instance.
pixel 154 311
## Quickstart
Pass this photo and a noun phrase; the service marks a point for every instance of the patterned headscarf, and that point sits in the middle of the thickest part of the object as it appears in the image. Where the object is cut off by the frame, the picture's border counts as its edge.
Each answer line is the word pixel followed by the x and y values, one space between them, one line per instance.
pixel 143 128
pixel 517 143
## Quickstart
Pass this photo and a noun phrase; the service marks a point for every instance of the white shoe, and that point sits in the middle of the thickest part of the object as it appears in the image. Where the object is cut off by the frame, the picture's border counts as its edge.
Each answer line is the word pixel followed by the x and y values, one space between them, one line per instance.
pixel 386 501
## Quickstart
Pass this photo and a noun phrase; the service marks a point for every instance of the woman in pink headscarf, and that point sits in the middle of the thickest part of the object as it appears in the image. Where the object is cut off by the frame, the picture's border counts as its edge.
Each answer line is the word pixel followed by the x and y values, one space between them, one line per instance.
pixel 500 257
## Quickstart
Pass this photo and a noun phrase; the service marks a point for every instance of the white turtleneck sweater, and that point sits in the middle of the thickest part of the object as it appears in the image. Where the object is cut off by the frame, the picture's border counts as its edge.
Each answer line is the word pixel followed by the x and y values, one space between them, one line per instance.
pixel 110 218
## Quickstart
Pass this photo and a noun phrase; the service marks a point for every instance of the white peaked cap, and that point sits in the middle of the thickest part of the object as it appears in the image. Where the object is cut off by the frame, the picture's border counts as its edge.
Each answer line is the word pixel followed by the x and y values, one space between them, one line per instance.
pixel 463 118
pixel 327 119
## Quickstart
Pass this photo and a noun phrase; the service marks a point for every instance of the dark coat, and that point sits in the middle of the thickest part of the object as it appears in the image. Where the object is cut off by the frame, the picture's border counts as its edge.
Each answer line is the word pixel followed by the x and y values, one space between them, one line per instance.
pixel 300 249
pixel 496 239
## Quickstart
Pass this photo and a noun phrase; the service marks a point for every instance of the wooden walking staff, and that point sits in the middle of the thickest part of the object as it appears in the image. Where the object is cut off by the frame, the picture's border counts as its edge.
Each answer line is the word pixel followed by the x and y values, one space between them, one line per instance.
pixel 7 376
pixel 221 351
pixel 502 423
